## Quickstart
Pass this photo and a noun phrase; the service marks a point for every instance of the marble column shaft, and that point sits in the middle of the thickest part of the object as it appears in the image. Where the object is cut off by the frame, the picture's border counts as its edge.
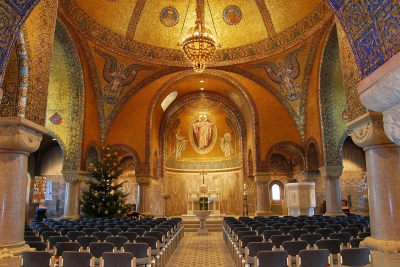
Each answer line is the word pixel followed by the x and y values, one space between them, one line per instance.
pixel 263 197
pixel 18 138
pixel 144 182
pixel 332 189
pixel 73 181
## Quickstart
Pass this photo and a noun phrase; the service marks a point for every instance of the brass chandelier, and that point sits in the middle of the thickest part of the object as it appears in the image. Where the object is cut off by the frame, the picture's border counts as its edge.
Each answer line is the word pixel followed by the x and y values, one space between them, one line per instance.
pixel 199 44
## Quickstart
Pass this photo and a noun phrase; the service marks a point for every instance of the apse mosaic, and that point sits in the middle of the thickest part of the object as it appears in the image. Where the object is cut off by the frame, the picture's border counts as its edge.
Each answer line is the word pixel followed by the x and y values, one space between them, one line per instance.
pixel 169 16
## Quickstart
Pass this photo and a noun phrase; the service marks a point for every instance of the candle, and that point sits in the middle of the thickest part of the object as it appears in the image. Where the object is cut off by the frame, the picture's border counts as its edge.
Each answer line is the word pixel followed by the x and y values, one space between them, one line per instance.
pixel 245 186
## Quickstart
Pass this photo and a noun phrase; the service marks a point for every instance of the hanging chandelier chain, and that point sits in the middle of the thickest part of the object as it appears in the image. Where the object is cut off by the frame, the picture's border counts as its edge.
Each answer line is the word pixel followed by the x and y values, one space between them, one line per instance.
pixel 183 25
pixel 212 19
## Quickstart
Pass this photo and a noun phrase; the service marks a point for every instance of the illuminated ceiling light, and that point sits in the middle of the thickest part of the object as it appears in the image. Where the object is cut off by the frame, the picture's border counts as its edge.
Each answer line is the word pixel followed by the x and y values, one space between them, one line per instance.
pixel 202 89
pixel 199 44
pixel 202 81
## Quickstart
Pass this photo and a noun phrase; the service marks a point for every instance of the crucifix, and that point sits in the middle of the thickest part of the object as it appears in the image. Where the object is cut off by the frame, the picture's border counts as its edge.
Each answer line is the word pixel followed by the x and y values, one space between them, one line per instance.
pixel 203 175
pixel 203 201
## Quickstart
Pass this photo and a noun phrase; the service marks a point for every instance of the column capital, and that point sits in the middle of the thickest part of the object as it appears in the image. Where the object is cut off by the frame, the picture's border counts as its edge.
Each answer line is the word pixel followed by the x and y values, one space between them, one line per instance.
pixel 379 92
pixel 368 130
pixel 20 134
pixel 262 177
pixel 331 171
pixel 143 179
pixel 73 176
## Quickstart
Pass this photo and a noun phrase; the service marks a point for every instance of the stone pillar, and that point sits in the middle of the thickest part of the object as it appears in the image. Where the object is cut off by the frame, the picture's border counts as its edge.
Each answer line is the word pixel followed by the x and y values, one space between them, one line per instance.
pixel 144 181
pixel 332 189
pixel 383 165
pixel 379 92
pixel 18 138
pixel 263 197
pixel 73 181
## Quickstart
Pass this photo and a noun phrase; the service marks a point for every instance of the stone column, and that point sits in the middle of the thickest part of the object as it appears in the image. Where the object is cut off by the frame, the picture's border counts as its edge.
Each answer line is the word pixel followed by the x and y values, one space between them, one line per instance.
pixel 383 165
pixel 18 138
pixel 263 197
pixel 73 181
pixel 332 189
pixel 380 92
pixel 144 181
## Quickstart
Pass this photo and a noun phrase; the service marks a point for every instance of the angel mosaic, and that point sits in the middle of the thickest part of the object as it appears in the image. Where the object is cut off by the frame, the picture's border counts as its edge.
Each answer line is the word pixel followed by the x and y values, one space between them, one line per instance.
pixel 118 75
pixel 285 73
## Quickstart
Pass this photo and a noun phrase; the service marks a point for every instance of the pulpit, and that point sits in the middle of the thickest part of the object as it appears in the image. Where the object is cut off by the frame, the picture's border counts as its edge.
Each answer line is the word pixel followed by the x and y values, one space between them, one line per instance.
pixel 300 198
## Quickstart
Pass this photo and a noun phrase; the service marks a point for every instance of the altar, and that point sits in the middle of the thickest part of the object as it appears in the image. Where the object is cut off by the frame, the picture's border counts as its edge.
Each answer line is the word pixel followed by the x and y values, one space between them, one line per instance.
pixel 192 202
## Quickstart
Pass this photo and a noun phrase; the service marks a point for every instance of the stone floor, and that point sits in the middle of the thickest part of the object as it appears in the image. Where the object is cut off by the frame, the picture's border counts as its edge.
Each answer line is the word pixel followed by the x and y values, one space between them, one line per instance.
pixel 201 251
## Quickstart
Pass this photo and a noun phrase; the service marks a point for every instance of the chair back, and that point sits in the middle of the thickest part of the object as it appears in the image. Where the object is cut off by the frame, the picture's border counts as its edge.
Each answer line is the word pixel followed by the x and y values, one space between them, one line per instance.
pixel 261 229
pixel 286 228
pixel 268 233
pixel 344 237
pixel 311 238
pixel 85 241
pixel 129 235
pixel 333 245
pixel 89 231
pixel 277 240
pixel 38 245
pixel 36 259
pixel 52 241
pixel 76 259
pixel 73 235
pixel 47 234
pixel 97 249
pixel 101 235
pixel 325 232
pixel 255 247
pixel 293 247
pixel 278 258
pixel 117 259
pixel 355 256
pixel 297 233
pixel 139 231
pixel 250 238
pixel 314 257
pixel 66 246
pixel 311 228
pixel 118 241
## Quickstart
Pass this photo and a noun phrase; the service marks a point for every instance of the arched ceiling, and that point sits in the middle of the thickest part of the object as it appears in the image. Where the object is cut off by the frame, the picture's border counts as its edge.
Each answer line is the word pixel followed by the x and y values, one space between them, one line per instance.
pixel 245 30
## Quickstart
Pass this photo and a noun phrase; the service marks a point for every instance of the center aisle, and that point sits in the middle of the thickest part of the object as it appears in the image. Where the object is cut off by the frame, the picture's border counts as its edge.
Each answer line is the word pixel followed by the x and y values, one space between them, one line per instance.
pixel 201 251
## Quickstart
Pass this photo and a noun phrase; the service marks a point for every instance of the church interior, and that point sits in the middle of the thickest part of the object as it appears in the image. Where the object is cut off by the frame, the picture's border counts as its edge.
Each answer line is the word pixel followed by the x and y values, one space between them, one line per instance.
pixel 274 94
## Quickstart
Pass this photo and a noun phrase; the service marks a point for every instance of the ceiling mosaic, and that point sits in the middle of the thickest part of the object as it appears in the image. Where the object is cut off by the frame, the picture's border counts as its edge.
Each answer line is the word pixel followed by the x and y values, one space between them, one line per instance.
pixel 152 30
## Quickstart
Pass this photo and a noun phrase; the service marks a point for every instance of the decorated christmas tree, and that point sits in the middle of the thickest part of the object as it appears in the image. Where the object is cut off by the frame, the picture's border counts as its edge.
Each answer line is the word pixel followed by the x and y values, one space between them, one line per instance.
pixel 104 197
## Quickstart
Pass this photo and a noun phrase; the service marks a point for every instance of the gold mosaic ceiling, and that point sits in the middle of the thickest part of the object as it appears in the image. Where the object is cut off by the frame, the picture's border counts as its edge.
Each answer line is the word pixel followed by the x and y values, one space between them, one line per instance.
pixel 235 23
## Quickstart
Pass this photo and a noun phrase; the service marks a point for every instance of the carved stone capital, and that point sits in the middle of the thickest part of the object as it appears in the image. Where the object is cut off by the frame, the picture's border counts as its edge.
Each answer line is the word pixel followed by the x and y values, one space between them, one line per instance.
pixel 143 179
pixel 73 176
pixel 262 177
pixel 391 119
pixel 367 130
pixel 380 91
pixel 331 171
pixel 17 133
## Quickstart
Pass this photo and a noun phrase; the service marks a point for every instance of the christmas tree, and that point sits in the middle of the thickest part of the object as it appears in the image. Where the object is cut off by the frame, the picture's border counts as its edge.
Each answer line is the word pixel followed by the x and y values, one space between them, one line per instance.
pixel 104 197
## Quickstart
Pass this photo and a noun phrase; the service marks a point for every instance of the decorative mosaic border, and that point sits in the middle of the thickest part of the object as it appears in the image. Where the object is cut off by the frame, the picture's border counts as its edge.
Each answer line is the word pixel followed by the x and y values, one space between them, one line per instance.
pixel 39 53
pixel 312 157
pixel 230 108
pixel 372 30
pixel 173 57
pixel 212 73
pixel 72 157
pixel 331 141
pixel 12 15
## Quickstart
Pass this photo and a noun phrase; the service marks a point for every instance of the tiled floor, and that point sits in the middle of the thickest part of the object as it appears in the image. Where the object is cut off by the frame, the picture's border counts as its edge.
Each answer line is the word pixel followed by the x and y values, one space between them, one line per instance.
pixel 201 251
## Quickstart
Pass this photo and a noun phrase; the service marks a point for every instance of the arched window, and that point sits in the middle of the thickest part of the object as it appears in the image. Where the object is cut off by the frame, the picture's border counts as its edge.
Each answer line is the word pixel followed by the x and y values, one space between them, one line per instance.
pixel 276 192
pixel 168 100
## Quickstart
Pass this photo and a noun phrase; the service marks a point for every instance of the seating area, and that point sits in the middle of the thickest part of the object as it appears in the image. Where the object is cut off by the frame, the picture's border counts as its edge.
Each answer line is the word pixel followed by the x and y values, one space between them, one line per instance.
pixel 102 242
pixel 314 241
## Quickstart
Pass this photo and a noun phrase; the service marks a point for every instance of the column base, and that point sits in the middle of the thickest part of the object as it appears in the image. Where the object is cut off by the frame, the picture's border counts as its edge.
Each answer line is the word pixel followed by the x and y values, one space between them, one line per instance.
pixel 11 262
pixel 71 217
pixel 385 259
pixel 333 213
pixel 263 212
pixel 16 249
